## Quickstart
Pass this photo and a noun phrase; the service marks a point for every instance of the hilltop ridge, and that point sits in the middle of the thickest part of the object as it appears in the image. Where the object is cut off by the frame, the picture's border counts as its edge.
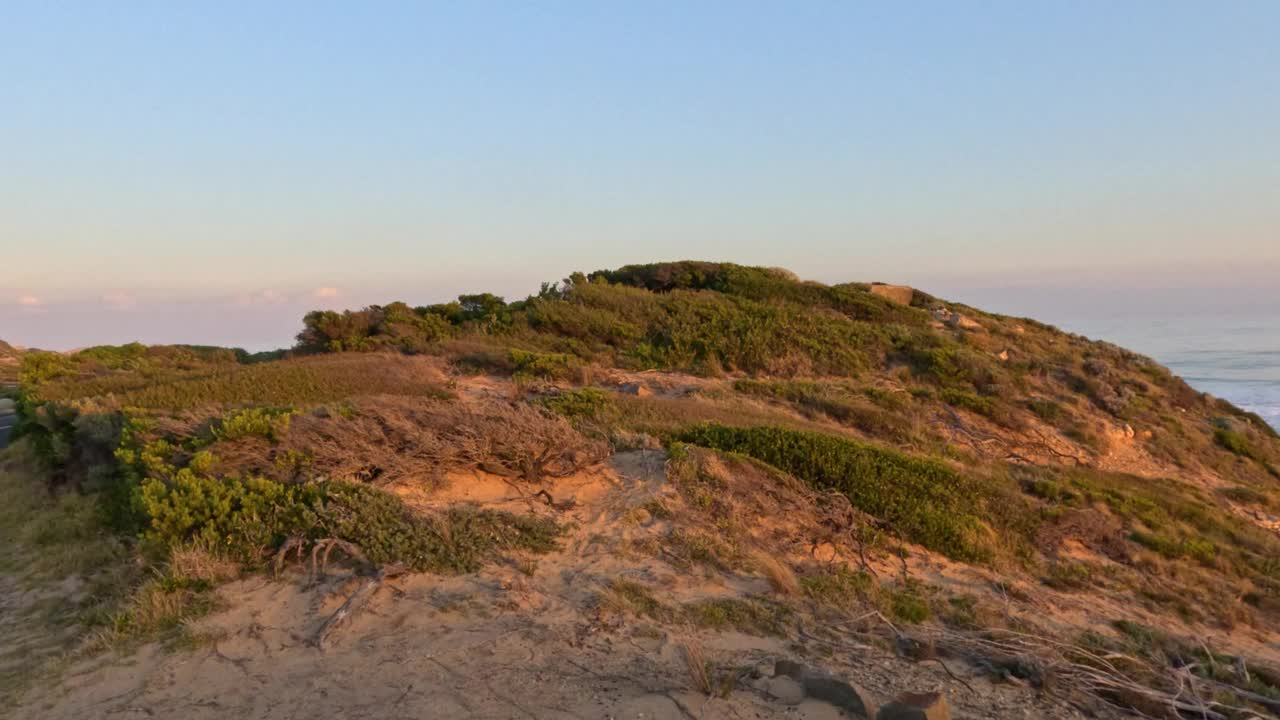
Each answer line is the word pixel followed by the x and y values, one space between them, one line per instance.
pixel 711 452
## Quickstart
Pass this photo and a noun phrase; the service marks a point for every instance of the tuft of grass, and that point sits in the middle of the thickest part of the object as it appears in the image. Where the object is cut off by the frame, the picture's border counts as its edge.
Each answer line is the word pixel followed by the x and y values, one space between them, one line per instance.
pixel 780 577
pixel 161 608
pixel 1067 575
pixel 751 616
pixel 988 407
pixel 699 669
pixel 699 548
pixel 636 599
pixel 908 604
pixel 842 588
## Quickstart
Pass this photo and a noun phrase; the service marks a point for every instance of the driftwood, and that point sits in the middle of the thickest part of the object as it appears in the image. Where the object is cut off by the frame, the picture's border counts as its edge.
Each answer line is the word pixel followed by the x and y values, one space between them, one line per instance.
pixel 368 587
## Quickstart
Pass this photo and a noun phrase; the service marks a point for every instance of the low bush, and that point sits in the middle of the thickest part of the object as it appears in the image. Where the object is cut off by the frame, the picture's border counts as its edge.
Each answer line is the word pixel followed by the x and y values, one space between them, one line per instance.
pixel 1047 410
pixel 752 616
pixel 923 500
pixel 1237 443
pixel 581 403
pixel 550 366
pixel 249 517
pixel 988 407
pixel 267 423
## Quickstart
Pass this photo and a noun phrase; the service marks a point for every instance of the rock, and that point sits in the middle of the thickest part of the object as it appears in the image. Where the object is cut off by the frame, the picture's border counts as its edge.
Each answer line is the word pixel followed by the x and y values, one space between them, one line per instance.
pixel 956 320
pixel 1003 355
pixel 785 690
pixel 634 389
pixel 916 706
pixel 821 685
pixel 900 294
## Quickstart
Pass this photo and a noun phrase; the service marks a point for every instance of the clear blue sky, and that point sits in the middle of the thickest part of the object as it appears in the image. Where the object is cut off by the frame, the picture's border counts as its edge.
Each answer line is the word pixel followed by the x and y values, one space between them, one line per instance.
pixel 183 172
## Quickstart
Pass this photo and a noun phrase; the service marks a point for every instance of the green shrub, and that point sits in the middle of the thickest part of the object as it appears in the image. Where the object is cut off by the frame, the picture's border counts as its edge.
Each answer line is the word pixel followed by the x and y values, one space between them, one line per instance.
pixel 985 406
pixel 249 517
pixel 240 516
pixel 543 365
pixel 1236 442
pixel 394 326
pixel 841 587
pixel 581 403
pixel 923 500
pixel 1047 410
pixel 1068 575
pixel 752 616
pixel 267 423
pixel 907 604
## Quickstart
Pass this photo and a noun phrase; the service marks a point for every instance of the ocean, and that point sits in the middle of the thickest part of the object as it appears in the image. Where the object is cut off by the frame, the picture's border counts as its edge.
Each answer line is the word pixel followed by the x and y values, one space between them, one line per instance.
pixel 1226 345
pixel 1232 356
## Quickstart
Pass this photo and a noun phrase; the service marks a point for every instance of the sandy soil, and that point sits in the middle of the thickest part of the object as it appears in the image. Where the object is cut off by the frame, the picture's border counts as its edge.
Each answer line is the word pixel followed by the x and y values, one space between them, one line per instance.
pixel 522 639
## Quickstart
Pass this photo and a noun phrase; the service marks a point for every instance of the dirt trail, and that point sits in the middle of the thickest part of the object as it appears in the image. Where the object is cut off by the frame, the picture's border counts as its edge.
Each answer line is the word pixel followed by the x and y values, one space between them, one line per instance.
pixel 521 639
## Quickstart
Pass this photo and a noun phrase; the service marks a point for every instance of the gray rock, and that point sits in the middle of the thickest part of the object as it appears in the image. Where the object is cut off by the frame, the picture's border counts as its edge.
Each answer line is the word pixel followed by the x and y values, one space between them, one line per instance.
pixel 634 389
pixel 822 685
pixel 784 690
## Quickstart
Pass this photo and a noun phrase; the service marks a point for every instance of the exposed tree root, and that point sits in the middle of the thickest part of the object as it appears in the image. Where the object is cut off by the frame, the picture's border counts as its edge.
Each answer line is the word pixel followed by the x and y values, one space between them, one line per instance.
pixel 368 587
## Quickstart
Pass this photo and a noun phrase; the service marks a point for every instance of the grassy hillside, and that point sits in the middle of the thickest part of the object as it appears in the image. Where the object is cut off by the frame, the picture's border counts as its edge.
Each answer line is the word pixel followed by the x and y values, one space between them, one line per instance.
pixel 992 443
pixel 9 359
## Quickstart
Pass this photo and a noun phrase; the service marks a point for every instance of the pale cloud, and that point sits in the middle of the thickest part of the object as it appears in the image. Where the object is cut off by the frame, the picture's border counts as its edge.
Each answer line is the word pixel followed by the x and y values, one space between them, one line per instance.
pixel 325 293
pixel 262 297
pixel 120 300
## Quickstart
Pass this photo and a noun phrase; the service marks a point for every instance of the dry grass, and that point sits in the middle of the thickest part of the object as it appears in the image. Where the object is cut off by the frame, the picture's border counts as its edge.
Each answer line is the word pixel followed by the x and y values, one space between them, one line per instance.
pixel 179 591
pixel 390 439
pixel 781 578
pixel 196 563
pixel 696 662
pixel 53 545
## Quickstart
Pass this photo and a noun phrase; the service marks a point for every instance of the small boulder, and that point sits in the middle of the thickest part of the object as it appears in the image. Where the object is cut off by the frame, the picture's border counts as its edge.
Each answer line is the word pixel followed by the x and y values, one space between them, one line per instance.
pixel 634 389
pixel 916 706
pixel 785 690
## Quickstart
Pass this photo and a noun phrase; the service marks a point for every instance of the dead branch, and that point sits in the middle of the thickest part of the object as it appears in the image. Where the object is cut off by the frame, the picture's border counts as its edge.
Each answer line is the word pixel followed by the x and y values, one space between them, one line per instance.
pixel 294 544
pixel 321 550
pixel 368 587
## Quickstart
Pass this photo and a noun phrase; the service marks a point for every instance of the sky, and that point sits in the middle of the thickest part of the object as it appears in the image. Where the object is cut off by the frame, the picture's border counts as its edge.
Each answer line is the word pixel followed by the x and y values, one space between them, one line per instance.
pixel 207 172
